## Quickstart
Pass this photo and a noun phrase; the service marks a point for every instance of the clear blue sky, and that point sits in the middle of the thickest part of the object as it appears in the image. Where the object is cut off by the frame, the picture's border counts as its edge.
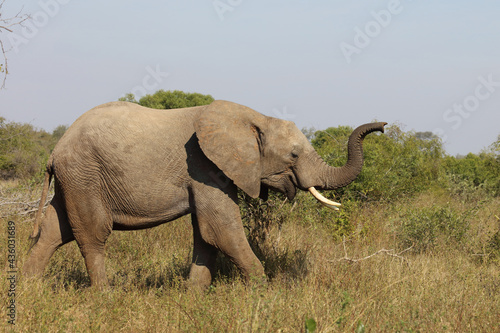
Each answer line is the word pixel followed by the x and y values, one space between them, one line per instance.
pixel 431 66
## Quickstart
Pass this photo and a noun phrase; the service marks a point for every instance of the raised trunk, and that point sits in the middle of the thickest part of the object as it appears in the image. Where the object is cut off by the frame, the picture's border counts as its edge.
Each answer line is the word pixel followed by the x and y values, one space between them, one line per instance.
pixel 334 177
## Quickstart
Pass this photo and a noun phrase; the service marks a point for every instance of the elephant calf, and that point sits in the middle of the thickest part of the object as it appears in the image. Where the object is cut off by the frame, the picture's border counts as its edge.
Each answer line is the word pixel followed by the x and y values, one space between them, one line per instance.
pixel 123 166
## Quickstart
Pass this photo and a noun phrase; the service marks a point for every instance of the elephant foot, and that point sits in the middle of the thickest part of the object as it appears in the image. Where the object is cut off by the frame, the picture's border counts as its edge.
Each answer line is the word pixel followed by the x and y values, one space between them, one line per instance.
pixel 200 277
pixel 32 270
pixel 256 278
pixel 38 259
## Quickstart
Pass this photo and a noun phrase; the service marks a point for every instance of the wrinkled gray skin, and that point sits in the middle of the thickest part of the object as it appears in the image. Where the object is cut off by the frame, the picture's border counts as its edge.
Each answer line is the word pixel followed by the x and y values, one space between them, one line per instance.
pixel 121 166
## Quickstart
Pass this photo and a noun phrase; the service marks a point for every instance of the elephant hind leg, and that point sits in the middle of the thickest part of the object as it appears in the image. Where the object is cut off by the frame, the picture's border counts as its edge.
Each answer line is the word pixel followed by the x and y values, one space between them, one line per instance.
pixel 55 231
pixel 94 256
pixel 92 225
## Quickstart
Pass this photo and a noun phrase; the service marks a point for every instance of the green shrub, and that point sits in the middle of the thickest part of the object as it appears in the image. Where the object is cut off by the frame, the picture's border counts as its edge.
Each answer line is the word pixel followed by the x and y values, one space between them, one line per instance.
pixel 476 172
pixel 23 150
pixel 425 228
pixel 396 164
pixel 258 215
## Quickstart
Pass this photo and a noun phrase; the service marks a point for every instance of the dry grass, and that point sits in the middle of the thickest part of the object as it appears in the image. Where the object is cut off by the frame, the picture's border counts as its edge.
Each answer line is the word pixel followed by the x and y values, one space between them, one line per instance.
pixel 444 289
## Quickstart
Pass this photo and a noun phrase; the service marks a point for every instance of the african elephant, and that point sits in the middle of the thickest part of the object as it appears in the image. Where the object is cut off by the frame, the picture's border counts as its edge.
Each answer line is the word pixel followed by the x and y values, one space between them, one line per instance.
pixel 122 166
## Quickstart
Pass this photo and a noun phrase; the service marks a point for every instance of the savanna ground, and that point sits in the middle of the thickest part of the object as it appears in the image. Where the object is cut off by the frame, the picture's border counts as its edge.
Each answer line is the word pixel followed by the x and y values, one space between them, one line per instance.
pixel 414 248
pixel 436 286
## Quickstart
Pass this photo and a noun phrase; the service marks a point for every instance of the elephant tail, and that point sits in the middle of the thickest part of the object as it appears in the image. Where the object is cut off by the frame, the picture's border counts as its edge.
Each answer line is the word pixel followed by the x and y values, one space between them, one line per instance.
pixel 46 184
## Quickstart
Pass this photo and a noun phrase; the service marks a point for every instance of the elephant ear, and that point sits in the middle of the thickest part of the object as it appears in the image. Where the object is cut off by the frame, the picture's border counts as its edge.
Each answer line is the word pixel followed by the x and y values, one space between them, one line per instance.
pixel 230 137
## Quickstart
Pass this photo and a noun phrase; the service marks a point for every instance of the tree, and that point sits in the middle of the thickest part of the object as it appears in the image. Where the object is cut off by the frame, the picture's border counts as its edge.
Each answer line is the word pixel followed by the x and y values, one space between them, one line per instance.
pixel 23 149
pixel 494 148
pixel 128 98
pixel 170 99
pixel 309 133
pixel 6 25
pixel 426 135
pixel 59 132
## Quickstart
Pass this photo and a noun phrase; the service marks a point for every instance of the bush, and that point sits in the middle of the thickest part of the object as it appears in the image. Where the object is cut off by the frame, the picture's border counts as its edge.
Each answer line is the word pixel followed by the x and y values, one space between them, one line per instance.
pixel 258 216
pixel 24 149
pixel 425 228
pixel 477 172
pixel 396 164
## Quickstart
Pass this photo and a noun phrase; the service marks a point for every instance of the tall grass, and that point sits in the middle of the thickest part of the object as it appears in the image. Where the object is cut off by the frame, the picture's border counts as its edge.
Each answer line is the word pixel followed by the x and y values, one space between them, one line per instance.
pixel 450 284
pixel 435 217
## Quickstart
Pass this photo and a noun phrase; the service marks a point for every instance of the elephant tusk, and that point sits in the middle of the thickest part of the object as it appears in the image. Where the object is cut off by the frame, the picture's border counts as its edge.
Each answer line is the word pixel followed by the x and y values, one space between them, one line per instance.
pixel 324 201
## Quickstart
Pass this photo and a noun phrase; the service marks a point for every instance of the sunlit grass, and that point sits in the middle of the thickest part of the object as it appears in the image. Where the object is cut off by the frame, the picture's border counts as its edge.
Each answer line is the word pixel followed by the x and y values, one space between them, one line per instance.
pixel 442 289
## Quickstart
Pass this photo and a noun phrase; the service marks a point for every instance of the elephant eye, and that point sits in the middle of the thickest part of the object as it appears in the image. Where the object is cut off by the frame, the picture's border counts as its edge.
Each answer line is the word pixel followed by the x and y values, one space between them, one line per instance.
pixel 294 155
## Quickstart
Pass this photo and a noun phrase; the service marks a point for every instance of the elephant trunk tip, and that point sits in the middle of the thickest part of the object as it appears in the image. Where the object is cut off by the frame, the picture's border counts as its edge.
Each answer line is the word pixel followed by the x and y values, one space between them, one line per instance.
pixel 357 136
pixel 378 126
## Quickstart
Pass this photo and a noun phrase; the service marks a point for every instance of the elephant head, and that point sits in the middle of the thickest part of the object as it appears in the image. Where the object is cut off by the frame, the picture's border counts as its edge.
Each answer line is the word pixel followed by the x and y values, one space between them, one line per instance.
pixel 259 153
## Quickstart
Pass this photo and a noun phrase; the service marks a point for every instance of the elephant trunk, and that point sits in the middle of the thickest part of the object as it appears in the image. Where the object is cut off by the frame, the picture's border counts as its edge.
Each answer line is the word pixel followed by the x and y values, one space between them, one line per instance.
pixel 336 177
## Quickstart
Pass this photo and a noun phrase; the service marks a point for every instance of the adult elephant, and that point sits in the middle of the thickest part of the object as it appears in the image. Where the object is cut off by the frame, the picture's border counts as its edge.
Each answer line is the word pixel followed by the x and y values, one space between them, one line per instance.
pixel 123 166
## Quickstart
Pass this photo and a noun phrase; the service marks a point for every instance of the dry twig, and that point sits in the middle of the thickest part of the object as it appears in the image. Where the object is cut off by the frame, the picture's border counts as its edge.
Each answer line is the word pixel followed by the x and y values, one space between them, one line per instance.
pixel 5 26
pixel 17 205
pixel 382 251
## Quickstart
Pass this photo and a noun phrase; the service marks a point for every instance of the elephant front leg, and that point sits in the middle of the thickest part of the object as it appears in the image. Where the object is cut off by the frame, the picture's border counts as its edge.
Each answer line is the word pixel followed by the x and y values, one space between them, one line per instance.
pixel 219 226
pixel 204 257
pixel 91 224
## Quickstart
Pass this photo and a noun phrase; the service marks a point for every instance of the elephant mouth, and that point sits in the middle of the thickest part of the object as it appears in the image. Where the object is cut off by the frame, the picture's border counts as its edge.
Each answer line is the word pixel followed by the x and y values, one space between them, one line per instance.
pixel 284 182
pixel 290 192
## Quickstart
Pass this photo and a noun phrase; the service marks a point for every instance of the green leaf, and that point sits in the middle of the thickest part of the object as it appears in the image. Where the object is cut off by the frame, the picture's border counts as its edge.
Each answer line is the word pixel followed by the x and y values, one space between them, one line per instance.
pixel 310 325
